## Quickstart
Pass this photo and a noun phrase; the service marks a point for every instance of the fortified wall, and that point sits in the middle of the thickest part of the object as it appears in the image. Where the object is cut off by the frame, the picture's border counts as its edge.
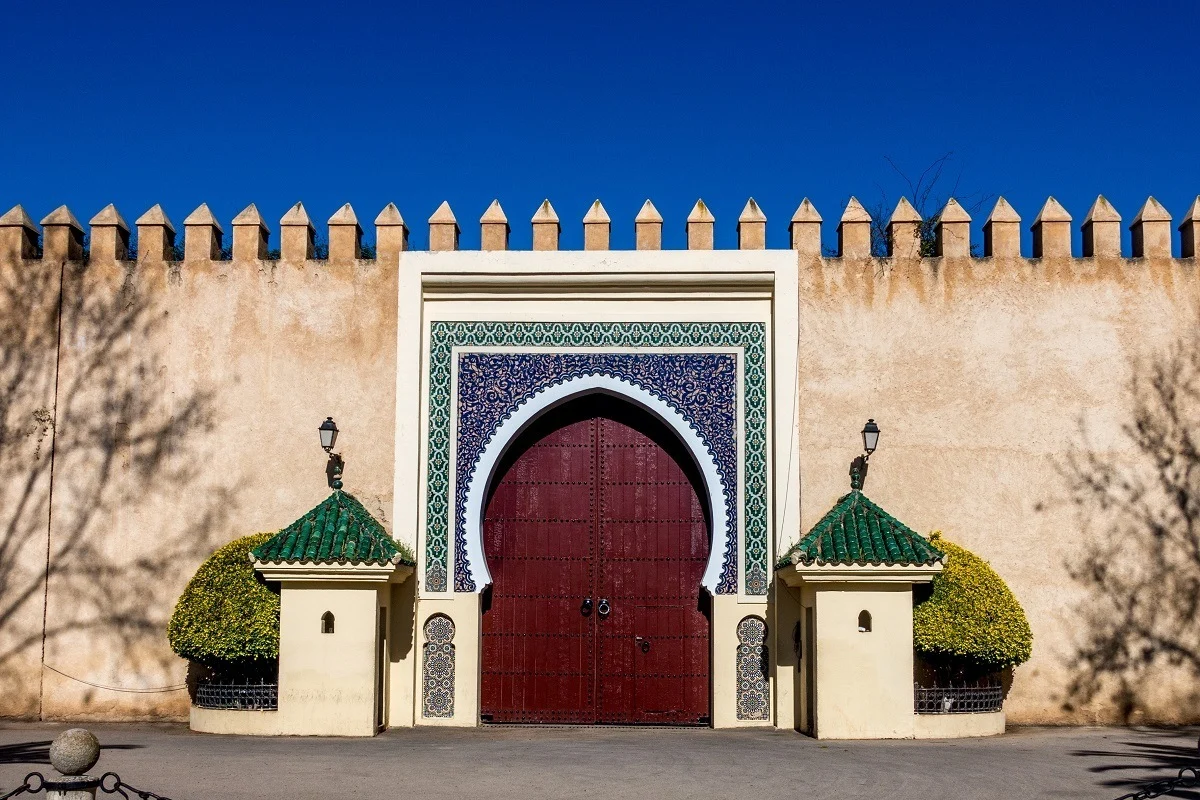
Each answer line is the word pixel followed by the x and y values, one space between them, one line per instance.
pixel 155 407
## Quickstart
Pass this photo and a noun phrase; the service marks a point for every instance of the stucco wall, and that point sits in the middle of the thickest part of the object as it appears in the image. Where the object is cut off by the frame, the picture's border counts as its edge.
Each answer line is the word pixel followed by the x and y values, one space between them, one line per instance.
pixel 187 395
pixel 984 375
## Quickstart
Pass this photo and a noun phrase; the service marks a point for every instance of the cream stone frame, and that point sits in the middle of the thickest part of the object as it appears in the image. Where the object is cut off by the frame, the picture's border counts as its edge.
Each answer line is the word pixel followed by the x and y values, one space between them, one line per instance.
pixel 635 286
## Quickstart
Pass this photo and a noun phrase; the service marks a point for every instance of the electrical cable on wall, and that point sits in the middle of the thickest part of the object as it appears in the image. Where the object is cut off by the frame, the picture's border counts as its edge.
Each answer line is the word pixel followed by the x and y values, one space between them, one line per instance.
pixel 160 689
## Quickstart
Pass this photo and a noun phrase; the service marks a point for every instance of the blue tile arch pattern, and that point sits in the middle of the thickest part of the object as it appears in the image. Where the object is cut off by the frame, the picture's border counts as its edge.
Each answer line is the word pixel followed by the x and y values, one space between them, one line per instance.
pixel 702 386
pixel 749 337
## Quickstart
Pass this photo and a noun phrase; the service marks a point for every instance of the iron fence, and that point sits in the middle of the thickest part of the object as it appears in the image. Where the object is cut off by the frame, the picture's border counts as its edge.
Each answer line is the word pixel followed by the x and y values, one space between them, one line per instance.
pixel 109 783
pixel 957 699
pixel 243 695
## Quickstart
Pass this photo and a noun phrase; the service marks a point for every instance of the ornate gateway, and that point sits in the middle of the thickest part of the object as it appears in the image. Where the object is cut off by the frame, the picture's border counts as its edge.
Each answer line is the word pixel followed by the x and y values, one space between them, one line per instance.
pixel 597 541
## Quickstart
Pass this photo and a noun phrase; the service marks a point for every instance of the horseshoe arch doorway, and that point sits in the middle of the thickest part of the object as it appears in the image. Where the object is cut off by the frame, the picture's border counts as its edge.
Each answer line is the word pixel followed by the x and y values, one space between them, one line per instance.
pixel 596 532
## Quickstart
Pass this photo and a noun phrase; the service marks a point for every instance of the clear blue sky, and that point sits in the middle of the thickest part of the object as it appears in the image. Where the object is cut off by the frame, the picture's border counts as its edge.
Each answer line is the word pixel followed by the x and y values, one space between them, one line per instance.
pixel 333 102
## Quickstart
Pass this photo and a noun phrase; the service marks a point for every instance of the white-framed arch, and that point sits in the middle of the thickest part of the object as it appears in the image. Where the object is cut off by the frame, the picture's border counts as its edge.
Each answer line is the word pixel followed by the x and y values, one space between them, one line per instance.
pixel 555 395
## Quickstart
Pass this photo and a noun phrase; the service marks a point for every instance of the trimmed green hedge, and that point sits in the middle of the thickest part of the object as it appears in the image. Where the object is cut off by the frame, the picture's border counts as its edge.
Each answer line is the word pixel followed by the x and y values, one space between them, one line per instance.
pixel 227 618
pixel 971 615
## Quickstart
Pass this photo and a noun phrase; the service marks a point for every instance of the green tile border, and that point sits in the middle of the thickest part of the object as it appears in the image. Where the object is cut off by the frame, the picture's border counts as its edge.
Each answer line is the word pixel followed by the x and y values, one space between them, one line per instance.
pixel 750 337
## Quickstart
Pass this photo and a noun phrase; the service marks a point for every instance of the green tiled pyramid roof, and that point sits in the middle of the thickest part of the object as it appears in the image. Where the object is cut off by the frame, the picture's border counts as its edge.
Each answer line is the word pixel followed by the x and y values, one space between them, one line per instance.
pixel 856 531
pixel 338 531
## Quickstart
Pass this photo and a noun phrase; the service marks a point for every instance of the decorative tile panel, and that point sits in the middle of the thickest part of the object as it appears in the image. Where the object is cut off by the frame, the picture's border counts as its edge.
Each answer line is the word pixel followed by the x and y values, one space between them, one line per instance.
pixel 437 668
pixel 748 337
pixel 702 387
pixel 753 684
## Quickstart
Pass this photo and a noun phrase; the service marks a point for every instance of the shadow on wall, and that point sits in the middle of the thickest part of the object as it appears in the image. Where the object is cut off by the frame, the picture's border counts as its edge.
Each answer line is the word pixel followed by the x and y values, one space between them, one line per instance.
pixel 118 445
pixel 1134 764
pixel 1140 560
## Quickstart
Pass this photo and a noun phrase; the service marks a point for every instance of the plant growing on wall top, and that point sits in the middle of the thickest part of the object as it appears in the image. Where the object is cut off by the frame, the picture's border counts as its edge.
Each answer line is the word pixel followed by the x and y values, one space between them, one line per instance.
pixel 928 196
pixel 227 618
pixel 971 619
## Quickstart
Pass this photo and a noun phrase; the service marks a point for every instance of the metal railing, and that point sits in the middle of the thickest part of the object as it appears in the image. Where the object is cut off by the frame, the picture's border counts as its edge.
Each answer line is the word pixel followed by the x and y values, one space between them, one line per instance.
pixel 957 699
pixel 243 695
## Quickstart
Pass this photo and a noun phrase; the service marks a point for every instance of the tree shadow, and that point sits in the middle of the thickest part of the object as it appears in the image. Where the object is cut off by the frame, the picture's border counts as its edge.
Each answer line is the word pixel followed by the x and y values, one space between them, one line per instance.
pixel 39 752
pixel 1138 557
pixel 96 446
pixel 1134 763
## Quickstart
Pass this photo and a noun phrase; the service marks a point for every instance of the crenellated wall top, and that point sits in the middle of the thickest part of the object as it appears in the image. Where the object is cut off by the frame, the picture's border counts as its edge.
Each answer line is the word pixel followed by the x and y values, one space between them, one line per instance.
pixel 60 236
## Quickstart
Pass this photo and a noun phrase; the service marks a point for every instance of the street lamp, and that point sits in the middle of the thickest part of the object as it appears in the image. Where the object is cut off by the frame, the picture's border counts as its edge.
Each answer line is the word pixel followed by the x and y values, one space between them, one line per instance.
pixel 858 467
pixel 870 434
pixel 328 432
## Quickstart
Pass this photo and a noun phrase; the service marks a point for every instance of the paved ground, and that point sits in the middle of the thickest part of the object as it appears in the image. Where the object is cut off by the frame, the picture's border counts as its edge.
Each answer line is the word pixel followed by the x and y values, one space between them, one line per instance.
pixel 647 764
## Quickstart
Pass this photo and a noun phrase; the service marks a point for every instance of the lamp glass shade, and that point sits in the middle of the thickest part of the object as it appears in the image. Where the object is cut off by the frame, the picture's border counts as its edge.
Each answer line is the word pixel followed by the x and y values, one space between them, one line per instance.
pixel 328 432
pixel 870 434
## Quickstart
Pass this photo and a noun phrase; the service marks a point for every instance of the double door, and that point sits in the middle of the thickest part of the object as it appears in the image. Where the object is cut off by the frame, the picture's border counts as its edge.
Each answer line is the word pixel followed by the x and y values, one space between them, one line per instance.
pixel 597 540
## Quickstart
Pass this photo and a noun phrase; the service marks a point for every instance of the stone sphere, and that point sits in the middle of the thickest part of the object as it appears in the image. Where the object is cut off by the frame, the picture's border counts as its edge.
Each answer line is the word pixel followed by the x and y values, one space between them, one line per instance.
pixel 75 751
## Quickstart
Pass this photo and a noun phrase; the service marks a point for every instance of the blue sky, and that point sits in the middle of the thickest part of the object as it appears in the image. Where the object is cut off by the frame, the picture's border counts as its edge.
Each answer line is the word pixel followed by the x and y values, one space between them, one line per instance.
pixel 422 102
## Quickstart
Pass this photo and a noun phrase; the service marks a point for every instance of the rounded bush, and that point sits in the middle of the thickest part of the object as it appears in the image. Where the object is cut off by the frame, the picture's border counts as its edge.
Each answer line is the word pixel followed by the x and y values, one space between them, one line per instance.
pixel 227 618
pixel 972 615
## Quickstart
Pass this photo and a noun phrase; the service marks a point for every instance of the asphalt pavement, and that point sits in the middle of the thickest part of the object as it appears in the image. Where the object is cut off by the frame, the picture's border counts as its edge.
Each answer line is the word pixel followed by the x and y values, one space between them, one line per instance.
pixel 642 764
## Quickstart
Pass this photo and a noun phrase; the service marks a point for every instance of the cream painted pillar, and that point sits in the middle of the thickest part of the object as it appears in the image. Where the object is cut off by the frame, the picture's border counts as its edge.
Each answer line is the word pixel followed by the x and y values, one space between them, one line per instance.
pixel 727 612
pixel 864 678
pixel 789 678
pixel 463 610
pixel 403 654
pixel 327 680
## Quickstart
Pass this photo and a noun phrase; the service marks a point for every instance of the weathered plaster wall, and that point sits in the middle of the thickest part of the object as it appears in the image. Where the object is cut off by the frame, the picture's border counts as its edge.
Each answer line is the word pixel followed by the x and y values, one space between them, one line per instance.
pixel 28 350
pixel 982 374
pixel 188 396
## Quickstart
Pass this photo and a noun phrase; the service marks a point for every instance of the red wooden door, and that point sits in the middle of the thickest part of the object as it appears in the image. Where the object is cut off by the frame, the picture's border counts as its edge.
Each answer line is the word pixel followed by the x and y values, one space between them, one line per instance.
pixel 594 505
